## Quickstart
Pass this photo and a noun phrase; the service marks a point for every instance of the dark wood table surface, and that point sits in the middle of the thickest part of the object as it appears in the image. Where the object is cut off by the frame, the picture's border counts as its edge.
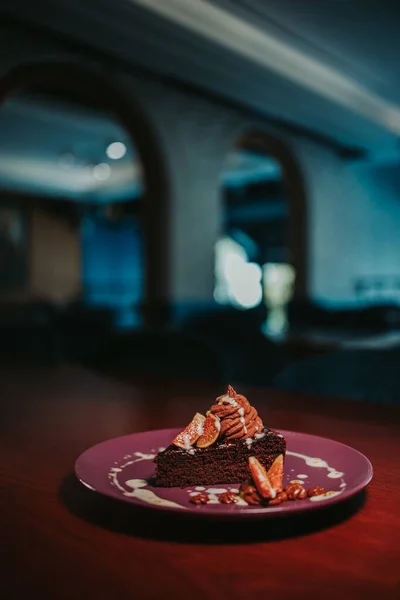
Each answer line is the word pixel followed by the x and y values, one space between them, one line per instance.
pixel 62 541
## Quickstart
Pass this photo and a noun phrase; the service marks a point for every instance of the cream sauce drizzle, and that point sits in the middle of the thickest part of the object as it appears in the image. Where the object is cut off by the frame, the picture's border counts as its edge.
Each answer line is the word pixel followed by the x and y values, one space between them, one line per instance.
pixel 319 463
pixel 138 485
pixel 229 400
pixel 87 485
pixel 325 496
pixel 151 498
pixel 213 499
pixel 332 474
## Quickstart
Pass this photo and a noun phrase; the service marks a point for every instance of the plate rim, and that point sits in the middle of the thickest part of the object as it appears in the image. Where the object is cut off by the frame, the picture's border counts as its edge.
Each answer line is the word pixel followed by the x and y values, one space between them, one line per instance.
pixel 238 512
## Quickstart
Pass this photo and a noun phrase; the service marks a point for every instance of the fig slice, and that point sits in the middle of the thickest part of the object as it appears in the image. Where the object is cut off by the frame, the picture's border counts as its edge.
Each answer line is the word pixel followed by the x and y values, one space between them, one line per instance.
pixel 261 478
pixel 275 474
pixel 211 429
pixel 189 436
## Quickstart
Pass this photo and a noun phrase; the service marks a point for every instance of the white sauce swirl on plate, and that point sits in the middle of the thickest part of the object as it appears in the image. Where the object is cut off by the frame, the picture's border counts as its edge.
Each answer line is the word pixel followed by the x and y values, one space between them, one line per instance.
pixel 137 487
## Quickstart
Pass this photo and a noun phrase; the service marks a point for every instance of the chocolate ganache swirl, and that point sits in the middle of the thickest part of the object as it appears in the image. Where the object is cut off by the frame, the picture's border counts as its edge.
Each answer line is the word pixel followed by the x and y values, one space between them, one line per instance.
pixel 239 420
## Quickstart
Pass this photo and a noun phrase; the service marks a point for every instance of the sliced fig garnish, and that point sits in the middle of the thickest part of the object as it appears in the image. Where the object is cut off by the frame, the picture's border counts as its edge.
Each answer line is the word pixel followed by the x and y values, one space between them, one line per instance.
pixel 261 478
pixel 211 429
pixel 189 436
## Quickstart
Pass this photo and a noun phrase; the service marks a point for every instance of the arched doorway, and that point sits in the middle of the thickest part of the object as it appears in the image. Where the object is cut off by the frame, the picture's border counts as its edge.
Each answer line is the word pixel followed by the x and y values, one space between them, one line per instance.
pixel 94 88
pixel 82 197
pixel 263 249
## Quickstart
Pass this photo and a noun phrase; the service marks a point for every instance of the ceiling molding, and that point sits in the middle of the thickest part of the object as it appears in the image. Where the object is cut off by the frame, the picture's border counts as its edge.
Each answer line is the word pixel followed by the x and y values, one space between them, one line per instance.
pixel 236 35
pixel 154 48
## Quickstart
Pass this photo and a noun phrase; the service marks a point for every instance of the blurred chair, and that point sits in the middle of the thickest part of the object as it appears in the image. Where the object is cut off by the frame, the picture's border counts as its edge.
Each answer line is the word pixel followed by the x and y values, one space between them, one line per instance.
pixel 380 317
pixel 163 353
pixel 82 329
pixel 249 356
pixel 369 375
pixel 28 332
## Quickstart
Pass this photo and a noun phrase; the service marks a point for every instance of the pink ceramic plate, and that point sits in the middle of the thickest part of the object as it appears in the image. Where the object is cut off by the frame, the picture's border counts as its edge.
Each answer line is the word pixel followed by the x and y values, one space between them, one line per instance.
pixel 123 468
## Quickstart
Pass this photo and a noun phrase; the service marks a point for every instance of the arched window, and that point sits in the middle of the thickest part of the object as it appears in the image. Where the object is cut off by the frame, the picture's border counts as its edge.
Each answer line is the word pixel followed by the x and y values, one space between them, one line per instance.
pixel 260 252
pixel 81 165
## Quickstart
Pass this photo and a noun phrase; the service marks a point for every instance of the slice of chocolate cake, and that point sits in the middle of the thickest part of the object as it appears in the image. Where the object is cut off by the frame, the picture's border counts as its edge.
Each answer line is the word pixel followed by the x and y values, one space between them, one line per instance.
pixel 215 449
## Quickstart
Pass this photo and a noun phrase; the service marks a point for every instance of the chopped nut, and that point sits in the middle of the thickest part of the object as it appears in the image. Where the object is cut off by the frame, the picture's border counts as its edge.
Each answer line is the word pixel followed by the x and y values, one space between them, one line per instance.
pixel 228 498
pixel 249 493
pixel 244 485
pixel 261 478
pixel 200 498
pixel 295 491
pixel 275 474
pixel 281 497
pixel 316 490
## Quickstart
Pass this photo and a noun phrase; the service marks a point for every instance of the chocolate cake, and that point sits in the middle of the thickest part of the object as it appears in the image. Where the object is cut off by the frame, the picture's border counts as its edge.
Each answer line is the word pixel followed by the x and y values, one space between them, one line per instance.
pixel 215 449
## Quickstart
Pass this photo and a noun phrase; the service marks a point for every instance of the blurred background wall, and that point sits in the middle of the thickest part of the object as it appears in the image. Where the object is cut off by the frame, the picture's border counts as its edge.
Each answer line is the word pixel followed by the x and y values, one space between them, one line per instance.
pixel 326 195
pixel 341 196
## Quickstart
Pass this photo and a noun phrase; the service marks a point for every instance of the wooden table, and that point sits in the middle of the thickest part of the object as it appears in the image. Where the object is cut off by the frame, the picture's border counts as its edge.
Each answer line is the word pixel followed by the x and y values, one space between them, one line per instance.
pixel 61 541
